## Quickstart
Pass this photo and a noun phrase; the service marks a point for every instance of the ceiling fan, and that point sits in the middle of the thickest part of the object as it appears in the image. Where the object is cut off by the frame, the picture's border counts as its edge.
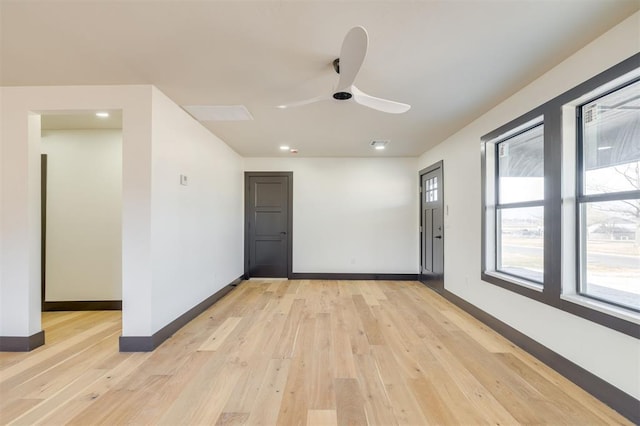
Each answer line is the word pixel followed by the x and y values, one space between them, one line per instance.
pixel 352 54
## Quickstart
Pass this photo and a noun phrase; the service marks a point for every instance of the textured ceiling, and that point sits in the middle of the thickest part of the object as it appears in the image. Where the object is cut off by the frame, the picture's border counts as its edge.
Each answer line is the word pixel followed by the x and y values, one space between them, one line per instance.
pixel 451 60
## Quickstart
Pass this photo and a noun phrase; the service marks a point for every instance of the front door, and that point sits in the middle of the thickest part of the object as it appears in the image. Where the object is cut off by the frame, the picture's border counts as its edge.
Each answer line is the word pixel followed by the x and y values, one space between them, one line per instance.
pixel 432 227
pixel 268 224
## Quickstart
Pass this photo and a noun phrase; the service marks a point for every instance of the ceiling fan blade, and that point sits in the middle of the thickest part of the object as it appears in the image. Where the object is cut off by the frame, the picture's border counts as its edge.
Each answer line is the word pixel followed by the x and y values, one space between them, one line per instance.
pixel 304 102
pixel 379 104
pixel 352 54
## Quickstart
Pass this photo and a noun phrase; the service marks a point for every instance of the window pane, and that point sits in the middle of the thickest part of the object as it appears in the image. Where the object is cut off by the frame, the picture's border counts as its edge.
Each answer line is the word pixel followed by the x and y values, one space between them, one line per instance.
pixel 431 190
pixel 611 142
pixel 611 254
pixel 520 242
pixel 521 167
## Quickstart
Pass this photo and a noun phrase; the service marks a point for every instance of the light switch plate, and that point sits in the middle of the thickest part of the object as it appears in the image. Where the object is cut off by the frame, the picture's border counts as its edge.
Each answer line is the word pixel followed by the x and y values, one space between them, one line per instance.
pixel 183 180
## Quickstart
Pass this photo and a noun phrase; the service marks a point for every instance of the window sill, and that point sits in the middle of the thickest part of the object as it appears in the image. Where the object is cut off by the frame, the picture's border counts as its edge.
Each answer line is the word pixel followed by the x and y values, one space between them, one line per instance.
pixel 605 308
pixel 515 280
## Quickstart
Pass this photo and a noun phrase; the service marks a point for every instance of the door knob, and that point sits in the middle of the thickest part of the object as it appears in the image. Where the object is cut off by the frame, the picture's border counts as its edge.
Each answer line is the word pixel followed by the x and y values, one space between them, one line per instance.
pixel 283 233
pixel 438 236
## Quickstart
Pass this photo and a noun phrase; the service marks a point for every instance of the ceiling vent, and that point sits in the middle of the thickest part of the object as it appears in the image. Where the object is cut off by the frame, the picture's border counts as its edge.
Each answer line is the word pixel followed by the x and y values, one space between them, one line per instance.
pixel 379 144
pixel 219 112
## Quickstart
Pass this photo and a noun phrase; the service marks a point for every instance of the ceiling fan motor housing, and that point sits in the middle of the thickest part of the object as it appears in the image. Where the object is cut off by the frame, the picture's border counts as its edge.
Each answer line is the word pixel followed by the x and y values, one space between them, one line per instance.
pixel 342 96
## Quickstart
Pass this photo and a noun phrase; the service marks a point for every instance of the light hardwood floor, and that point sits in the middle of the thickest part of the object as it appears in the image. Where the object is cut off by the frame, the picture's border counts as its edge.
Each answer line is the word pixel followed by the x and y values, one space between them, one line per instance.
pixel 294 353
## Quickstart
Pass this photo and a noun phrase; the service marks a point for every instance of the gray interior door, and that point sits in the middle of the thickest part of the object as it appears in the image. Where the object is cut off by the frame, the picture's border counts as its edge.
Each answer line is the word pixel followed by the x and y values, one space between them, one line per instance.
pixel 268 223
pixel 432 227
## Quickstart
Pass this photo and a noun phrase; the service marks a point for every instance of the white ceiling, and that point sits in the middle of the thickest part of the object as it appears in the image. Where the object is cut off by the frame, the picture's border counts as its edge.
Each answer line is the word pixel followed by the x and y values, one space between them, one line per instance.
pixel 81 120
pixel 451 60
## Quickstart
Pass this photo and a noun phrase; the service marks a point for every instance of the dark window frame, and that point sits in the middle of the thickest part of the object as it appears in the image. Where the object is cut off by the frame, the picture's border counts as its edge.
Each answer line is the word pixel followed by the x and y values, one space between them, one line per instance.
pixel 584 199
pixel 551 113
pixel 499 206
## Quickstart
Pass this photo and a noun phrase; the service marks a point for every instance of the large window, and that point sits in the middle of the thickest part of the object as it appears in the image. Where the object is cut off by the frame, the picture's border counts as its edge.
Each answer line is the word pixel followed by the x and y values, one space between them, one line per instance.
pixel 609 197
pixel 561 201
pixel 519 210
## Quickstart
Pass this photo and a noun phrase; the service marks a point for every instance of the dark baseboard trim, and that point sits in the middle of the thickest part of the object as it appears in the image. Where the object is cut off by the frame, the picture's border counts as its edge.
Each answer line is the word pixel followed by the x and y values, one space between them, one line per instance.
pixel 21 344
pixel 620 401
pixel 341 276
pixel 83 305
pixel 149 343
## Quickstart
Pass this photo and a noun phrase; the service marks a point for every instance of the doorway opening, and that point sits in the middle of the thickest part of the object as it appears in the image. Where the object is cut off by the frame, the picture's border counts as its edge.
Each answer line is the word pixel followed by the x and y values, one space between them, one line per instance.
pixel 268 224
pixel 81 206
pixel 432 226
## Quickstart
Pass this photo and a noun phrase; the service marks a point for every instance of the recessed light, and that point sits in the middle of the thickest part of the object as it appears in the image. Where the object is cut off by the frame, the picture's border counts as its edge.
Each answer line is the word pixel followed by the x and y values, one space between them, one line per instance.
pixel 604 148
pixel 379 147
pixel 284 148
pixel 102 114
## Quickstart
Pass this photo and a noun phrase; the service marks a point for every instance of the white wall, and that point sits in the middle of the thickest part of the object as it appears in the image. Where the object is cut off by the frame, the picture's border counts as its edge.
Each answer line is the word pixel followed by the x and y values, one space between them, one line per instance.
pixel 20 227
pixel 20 204
pixel 196 230
pixel 351 215
pixel 84 209
pixel 1 239
pixel 613 356
pixel 179 244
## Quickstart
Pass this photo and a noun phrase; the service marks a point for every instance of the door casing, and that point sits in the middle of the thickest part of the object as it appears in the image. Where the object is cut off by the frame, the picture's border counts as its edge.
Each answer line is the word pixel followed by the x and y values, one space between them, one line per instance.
pixel 434 280
pixel 289 236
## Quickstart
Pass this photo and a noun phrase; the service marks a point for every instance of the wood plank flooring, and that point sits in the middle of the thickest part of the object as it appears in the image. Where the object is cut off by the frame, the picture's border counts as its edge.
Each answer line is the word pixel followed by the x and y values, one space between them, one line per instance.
pixel 294 353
